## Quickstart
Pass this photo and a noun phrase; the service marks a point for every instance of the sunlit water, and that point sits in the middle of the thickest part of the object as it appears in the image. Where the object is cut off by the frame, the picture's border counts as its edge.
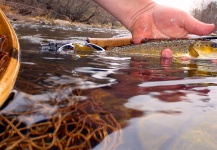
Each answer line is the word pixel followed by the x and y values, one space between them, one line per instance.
pixel 155 103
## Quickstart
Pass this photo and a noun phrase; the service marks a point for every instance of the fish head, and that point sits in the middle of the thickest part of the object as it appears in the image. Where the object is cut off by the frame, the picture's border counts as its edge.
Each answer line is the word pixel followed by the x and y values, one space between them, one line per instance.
pixel 205 49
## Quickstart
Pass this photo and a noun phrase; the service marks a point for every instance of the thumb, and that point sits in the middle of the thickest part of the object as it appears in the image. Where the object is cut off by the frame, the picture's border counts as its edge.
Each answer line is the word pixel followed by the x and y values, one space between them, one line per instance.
pixel 194 26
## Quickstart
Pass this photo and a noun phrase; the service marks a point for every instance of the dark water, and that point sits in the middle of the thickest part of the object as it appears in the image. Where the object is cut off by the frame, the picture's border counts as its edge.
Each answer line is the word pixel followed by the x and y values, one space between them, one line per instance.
pixel 62 101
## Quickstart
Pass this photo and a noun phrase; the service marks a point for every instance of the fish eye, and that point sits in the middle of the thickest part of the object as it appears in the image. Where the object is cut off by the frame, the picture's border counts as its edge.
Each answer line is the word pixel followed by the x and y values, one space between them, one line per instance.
pixel 214 45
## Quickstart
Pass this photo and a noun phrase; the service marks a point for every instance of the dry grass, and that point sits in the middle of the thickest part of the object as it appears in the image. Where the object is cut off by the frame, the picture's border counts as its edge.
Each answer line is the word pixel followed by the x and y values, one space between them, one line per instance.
pixel 6 9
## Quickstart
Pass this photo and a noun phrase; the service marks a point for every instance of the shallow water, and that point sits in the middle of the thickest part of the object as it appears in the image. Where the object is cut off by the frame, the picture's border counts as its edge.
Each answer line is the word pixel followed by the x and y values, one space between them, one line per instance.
pixel 140 102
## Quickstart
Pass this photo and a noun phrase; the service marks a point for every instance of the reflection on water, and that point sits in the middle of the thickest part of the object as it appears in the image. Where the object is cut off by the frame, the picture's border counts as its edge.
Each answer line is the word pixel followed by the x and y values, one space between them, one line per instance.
pixel 105 102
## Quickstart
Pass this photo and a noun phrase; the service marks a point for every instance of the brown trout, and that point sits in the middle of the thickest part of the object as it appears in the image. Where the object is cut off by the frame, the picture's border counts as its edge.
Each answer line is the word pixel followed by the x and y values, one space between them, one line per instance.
pixel 193 48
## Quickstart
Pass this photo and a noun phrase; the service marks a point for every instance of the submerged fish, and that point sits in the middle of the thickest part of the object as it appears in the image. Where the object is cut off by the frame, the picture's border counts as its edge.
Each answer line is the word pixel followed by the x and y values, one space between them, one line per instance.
pixel 193 48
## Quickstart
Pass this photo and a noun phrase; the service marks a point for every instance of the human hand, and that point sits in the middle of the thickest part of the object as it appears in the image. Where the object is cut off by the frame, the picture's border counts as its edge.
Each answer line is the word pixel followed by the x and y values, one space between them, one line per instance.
pixel 165 22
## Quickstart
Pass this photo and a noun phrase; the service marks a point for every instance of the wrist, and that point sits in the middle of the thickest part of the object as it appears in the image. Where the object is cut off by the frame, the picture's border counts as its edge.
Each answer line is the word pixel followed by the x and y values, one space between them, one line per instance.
pixel 138 10
pixel 126 11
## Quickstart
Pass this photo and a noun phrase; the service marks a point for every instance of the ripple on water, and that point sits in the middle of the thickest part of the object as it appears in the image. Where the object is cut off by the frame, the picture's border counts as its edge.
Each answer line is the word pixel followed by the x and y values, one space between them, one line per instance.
pixel 139 102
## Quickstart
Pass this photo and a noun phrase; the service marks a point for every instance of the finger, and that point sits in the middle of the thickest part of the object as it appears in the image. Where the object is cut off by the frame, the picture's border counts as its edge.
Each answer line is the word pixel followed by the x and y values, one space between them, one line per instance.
pixel 194 26
pixel 167 53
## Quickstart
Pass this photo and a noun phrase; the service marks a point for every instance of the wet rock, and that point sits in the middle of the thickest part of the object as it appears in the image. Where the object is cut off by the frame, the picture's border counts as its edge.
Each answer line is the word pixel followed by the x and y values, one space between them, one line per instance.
pixel 14 19
pixel 61 22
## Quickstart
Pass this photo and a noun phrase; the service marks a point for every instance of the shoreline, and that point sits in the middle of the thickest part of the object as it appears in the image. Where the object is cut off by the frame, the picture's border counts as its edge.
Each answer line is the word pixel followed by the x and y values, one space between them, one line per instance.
pixel 58 22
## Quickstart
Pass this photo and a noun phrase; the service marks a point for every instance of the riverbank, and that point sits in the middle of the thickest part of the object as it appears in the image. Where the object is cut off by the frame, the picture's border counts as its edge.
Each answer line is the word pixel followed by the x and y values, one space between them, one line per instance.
pixel 14 16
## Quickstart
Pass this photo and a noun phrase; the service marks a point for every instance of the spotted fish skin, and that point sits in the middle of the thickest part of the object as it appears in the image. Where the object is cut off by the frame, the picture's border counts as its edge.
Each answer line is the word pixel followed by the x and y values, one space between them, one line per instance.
pixel 181 47
pixel 206 49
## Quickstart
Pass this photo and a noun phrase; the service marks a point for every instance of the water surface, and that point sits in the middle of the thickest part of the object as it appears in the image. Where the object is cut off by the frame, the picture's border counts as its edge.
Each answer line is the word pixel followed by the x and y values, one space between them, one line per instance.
pixel 103 102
